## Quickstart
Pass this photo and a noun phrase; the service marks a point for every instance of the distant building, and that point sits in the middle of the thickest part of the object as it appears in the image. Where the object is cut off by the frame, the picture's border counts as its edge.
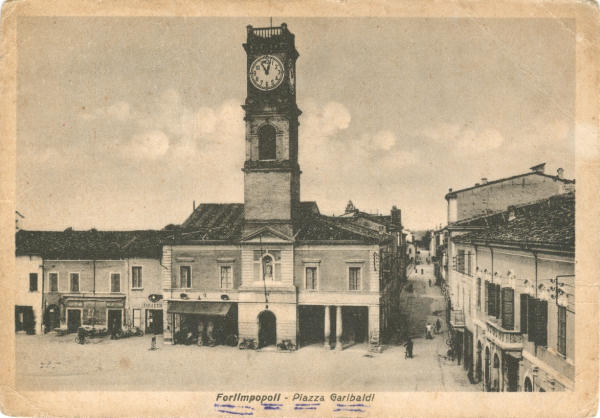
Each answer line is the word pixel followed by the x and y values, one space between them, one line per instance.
pixel 493 196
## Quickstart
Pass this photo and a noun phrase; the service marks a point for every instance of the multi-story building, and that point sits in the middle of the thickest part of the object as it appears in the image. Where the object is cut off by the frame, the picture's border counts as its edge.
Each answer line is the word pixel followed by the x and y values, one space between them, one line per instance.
pixel 274 268
pixel 493 196
pixel 512 294
pixel 97 278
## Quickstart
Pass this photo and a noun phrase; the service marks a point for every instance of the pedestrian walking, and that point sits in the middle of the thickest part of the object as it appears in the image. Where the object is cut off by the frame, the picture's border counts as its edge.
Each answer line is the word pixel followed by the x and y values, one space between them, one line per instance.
pixel 409 348
pixel 421 271
pixel 429 282
pixel 438 326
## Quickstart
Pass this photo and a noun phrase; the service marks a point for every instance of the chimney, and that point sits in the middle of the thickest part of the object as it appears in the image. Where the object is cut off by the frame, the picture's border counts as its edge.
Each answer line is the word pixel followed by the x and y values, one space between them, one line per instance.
pixel 560 173
pixel 194 206
pixel 540 168
pixel 396 216
pixel 450 190
pixel 484 180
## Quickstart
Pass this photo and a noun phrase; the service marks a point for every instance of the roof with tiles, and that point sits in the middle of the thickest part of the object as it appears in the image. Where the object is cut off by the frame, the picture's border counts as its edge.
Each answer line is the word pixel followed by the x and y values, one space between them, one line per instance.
pixel 210 222
pixel 91 244
pixel 548 222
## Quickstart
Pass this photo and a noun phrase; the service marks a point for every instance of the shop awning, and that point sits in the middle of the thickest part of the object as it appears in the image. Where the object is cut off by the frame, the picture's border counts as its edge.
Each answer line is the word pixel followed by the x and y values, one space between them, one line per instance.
pixel 199 308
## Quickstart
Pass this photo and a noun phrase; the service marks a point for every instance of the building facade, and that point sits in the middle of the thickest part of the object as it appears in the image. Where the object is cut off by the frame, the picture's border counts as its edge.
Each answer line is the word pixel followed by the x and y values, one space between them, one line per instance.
pixel 94 278
pixel 492 196
pixel 512 284
pixel 28 294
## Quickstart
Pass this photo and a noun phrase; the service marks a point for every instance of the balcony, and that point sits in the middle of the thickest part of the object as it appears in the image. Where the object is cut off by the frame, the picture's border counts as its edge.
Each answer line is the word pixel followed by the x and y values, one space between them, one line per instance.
pixel 457 318
pixel 505 339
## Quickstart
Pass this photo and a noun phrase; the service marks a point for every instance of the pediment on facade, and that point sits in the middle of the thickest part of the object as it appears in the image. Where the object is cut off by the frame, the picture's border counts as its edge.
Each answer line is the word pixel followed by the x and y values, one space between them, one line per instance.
pixel 266 234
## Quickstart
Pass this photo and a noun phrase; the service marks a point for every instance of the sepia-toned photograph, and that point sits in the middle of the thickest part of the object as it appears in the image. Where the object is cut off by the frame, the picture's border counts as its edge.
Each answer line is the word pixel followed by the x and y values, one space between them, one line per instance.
pixel 295 214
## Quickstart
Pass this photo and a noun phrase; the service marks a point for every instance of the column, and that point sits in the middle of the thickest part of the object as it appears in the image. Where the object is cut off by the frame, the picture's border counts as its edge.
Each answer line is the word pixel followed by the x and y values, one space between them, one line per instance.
pixel 338 328
pixel 327 329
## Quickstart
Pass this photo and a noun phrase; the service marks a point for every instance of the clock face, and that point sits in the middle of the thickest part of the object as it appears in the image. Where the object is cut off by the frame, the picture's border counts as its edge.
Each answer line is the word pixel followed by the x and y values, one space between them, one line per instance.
pixel 266 72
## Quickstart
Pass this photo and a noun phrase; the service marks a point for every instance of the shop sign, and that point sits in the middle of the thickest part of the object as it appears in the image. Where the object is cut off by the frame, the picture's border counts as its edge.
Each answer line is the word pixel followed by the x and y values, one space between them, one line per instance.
pixel 75 304
pixel 153 305
pixel 155 297
pixel 114 304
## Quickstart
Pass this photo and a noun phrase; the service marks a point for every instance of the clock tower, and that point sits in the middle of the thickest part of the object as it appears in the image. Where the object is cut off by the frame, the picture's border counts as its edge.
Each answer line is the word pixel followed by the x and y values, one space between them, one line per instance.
pixel 271 170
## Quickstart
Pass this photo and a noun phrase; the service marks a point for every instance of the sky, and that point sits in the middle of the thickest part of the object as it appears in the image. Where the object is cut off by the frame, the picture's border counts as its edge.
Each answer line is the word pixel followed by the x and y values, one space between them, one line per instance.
pixel 123 122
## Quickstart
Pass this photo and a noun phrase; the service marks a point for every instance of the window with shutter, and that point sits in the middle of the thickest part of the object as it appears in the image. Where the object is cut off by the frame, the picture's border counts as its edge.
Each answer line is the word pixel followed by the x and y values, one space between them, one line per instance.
pixel 562 330
pixel 524 297
pixel 508 312
pixel 498 300
pixel 479 293
pixel 541 323
pixel 461 261
pixel 531 309
pixel 486 295
pixel 454 263
pixel 491 299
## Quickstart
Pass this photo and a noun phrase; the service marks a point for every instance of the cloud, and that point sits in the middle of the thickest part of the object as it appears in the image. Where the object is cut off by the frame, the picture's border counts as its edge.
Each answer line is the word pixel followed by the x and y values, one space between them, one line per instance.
pixel 119 111
pixel 382 140
pixel 323 121
pixel 147 145
pixel 464 139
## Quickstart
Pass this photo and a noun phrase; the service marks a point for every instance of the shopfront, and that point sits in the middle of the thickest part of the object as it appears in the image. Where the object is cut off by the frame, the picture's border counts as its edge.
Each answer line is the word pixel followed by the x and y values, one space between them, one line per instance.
pixel 203 323
pixel 92 311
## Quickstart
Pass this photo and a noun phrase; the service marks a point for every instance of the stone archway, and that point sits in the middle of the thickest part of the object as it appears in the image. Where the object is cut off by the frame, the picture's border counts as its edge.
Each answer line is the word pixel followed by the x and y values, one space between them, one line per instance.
pixel 267 329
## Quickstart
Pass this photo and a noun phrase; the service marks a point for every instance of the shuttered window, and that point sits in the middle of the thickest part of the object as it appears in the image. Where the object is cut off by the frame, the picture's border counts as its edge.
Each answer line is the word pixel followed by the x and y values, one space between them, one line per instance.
pixel 562 330
pixel 486 292
pixel 531 313
pixel 498 300
pixel 524 297
pixel 491 299
pixel 461 261
pixel 541 323
pixel 508 308
pixel 479 293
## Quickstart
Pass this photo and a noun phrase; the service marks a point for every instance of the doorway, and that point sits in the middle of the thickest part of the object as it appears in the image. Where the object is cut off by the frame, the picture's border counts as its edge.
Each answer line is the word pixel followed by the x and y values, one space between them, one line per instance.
pixel 487 369
pixel 267 329
pixel 24 320
pixel 478 371
pixel 528 386
pixel 115 319
pixel 154 321
pixel 311 324
pixel 73 320
pixel 51 320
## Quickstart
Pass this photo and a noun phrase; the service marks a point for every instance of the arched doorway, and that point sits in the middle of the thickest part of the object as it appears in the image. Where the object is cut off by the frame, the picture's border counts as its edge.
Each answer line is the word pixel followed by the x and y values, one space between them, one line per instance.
pixel 487 369
pixel 51 318
pixel 478 371
pixel 267 329
pixel 527 386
